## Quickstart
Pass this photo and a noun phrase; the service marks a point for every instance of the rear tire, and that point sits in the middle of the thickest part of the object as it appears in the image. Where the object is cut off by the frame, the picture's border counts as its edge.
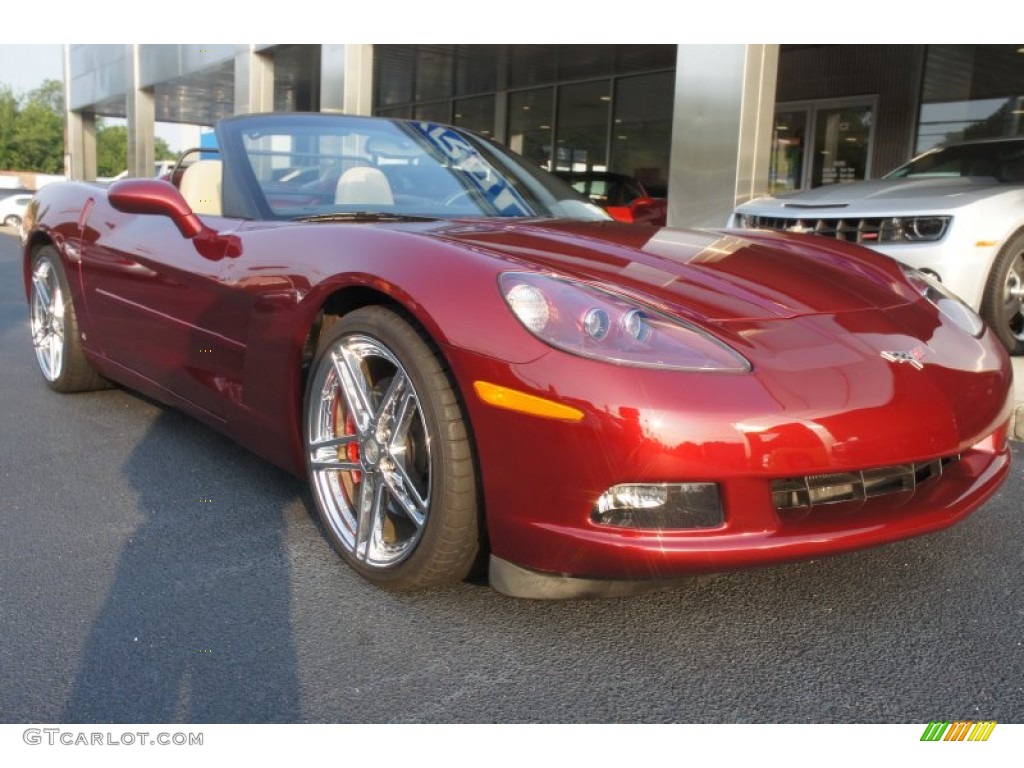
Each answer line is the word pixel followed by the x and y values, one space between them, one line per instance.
pixel 1002 305
pixel 54 326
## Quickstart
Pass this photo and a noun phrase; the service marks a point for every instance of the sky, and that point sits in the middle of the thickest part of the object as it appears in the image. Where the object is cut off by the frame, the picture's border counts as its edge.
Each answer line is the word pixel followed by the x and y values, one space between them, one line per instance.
pixel 24 67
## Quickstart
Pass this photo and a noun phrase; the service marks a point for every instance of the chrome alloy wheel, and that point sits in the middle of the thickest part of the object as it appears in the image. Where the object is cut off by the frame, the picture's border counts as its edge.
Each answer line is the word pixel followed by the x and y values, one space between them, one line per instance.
pixel 47 320
pixel 1013 297
pixel 369 452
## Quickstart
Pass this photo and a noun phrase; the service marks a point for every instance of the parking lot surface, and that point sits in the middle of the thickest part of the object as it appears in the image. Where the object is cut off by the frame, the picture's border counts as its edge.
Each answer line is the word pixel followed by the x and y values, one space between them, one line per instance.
pixel 152 571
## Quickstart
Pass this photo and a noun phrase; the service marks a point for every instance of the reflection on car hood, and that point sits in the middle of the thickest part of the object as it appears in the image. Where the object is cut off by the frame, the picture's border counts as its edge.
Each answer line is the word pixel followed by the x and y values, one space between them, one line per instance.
pixel 883 195
pixel 716 276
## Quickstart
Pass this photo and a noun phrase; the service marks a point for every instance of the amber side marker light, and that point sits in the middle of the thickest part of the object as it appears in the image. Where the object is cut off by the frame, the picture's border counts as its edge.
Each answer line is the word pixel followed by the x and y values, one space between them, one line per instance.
pixel 513 400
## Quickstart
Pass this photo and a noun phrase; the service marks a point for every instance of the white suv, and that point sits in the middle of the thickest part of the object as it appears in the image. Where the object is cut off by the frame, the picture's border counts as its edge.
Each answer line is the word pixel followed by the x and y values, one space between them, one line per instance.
pixel 955 212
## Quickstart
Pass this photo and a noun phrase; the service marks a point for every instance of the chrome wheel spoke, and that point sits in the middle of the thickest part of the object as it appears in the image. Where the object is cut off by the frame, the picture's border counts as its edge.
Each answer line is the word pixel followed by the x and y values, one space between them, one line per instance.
pixel 325 455
pixel 42 289
pixel 396 395
pixel 403 490
pixel 370 519
pixel 352 383
pixel 1013 292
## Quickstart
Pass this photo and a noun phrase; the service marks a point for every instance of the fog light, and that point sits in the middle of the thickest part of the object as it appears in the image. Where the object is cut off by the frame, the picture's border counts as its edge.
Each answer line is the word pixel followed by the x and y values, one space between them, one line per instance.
pixel 660 505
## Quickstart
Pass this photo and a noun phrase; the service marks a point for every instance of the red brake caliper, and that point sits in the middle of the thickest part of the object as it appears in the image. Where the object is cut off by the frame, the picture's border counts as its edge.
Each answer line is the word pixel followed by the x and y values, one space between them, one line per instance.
pixel 351 451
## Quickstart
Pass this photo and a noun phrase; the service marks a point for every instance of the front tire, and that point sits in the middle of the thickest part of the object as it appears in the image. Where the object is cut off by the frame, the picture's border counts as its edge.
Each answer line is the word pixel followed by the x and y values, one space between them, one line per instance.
pixel 12 221
pixel 54 326
pixel 1002 305
pixel 389 455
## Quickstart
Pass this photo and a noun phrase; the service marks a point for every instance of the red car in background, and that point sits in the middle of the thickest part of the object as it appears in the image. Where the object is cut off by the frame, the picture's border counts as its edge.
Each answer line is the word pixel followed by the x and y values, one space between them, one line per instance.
pixel 474 365
pixel 624 197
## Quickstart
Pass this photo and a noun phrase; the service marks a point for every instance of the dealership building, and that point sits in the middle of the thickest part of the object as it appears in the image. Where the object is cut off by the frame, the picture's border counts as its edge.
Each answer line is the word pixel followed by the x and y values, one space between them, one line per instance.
pixel 709 126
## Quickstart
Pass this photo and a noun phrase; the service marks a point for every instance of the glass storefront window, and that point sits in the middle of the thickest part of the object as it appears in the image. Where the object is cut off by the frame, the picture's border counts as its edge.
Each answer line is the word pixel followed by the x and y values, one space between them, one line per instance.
pixel 530 124
pixel 568 107
pixel 819 143
pixel 476 114
pixel 642 129
pixel 971 92
pixel 582 132
pixel 476 69
pixel 786 169
pixel 841 141
pixel 435 112
pixel 392 80
pixel 435 67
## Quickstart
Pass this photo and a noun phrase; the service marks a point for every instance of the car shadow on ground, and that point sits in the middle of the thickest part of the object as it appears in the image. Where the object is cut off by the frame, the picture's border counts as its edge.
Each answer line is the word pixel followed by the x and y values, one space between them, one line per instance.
pixel 196 626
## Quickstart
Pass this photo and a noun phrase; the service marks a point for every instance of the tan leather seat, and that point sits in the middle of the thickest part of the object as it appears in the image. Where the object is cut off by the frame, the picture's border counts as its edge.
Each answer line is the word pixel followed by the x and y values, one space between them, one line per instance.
pixel 201 186
pixel 363 186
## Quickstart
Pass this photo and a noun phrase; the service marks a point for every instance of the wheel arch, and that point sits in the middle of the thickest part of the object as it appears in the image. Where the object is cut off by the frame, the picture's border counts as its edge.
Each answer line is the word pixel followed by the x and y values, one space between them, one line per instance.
pixel 340 301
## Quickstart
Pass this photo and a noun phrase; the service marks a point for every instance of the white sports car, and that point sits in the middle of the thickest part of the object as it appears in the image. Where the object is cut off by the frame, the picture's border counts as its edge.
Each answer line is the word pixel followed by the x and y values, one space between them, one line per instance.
pixel 955 212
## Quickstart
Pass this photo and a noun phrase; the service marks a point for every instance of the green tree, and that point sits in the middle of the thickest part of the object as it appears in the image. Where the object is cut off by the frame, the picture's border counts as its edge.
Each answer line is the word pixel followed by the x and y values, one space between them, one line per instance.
pixel 162 150
pixel 8 113
pixel 32 131
pixel 49 94
pixel 112 149
pixel 38 140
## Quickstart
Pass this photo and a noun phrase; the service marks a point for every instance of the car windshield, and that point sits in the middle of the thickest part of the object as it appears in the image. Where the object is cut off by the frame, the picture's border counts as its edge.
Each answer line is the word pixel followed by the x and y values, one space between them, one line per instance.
pixel 316 166
pixel 1001 160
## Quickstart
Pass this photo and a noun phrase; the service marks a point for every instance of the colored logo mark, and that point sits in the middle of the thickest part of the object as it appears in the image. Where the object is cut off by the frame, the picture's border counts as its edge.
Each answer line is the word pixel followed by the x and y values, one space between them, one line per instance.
pixel 960 730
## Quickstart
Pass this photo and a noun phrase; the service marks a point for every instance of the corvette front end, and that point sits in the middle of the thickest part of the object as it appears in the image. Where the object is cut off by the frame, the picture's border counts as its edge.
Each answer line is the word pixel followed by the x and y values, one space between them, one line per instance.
pixel 831 442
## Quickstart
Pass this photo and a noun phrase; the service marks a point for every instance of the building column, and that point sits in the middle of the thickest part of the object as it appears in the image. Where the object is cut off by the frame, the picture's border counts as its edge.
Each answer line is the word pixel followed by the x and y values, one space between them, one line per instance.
pixel 721 130
pixel 79 133
pixel 254 82
pixel 80 146
pixel 346 79
pixel 140 111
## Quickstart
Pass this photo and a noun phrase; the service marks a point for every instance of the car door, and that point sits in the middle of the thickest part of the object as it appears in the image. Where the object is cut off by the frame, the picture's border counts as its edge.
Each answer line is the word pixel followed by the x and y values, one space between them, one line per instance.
pixel 162 308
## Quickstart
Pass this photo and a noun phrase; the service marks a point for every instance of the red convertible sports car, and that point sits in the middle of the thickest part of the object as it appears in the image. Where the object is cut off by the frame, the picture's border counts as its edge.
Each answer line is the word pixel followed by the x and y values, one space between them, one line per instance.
pixel 475 366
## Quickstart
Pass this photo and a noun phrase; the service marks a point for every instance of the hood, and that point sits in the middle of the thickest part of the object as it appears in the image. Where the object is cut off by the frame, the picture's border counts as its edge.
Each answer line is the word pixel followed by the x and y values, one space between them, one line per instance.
pixel 702 275
pixel 881 196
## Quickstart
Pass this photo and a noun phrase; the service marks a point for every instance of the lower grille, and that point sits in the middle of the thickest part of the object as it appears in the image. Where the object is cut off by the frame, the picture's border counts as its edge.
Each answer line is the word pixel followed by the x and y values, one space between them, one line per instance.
pixel 841 487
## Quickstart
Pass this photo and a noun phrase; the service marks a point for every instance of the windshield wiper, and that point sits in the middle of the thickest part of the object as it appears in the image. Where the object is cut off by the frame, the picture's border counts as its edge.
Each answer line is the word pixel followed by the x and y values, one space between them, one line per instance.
pixel 363 216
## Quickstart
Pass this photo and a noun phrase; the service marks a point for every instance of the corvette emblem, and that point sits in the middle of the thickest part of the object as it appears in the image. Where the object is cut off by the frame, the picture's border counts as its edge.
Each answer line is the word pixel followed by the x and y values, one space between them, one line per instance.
pixel 913 357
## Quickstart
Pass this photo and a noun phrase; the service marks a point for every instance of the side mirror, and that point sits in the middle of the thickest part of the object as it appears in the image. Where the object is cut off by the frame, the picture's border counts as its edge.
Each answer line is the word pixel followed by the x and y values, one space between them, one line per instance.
pixel 156 197
pixel 161 198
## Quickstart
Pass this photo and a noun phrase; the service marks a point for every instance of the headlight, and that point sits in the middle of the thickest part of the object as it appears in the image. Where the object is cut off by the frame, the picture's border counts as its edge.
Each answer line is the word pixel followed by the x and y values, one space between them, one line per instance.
pixel 594 323
pixel 925 228
pixel 947 302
